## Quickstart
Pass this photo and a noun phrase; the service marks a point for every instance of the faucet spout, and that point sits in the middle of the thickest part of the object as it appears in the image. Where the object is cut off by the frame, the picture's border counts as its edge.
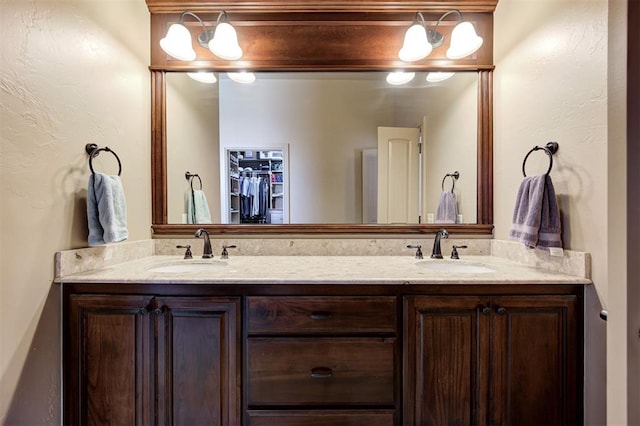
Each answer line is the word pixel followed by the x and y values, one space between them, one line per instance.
pixel 207 253
pixel 436 253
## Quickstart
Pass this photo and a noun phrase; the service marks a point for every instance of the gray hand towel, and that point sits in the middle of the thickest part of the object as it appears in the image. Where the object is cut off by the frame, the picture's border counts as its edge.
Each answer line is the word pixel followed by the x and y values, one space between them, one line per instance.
pixel 106 210
pixel 536 216
pixel 447 211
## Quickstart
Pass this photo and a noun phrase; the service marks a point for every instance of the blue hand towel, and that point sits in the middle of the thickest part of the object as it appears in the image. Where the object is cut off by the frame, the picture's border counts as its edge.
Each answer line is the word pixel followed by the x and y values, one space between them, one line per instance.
pixel 197 206
pixel 106 210
pixel 536 216
pixel 447 211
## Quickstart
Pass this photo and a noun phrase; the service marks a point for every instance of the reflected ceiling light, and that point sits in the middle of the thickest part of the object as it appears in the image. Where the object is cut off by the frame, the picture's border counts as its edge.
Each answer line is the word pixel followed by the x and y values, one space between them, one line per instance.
pixel 223 42
pixel 434 77
pixel 203 77
pixel 419 40
pixel 242 77
pixel 398 78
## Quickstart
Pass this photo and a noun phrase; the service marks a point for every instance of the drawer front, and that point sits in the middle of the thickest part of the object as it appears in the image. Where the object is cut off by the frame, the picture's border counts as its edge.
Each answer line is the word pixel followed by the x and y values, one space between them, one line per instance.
pixel 320 418
pixel 321 315
pixel 321 371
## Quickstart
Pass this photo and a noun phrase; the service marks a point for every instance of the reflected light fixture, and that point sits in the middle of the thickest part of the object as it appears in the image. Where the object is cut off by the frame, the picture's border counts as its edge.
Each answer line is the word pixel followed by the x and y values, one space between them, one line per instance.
pixel 242 77
pixel 223 41
pixel 203 77
pixel 434 77
pixel 398 78
pixel 419 40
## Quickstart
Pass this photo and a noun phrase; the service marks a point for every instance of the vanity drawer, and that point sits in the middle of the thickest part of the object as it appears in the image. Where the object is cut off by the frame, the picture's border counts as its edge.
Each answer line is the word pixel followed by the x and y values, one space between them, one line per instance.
pixel 320 418
pixel 321 371
pixel 321 315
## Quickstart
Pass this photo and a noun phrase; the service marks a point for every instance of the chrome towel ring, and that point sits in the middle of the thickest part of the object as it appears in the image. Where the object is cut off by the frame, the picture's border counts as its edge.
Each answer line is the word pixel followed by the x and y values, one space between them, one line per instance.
pixel 550 148
pixel 93 150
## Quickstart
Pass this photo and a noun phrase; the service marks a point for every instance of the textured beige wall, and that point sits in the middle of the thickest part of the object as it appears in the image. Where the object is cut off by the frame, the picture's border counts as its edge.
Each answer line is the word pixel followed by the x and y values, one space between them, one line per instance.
pixel 551 84
pixel 71 72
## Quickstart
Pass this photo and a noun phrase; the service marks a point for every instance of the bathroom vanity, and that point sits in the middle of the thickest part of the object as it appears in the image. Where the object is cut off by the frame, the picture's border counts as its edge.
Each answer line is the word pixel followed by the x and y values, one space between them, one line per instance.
pixel 322 340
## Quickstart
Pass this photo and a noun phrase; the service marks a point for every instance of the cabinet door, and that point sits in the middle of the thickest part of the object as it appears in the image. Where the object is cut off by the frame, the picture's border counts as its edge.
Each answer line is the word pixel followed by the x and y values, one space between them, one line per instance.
pixel 536 361
pixel 108 370
pixel 198 374
pixel 446 360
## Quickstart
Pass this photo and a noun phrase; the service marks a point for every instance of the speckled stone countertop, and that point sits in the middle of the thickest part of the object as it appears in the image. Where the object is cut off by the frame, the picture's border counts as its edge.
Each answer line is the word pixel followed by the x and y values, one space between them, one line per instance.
pixel 483 269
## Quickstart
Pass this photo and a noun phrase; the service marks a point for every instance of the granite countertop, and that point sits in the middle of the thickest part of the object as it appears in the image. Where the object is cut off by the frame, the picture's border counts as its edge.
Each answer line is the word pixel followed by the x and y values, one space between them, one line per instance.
pixel 484 269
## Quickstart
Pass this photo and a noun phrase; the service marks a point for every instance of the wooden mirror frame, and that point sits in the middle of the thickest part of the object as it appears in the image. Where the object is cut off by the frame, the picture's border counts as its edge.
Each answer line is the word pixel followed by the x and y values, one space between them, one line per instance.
pixel 355 37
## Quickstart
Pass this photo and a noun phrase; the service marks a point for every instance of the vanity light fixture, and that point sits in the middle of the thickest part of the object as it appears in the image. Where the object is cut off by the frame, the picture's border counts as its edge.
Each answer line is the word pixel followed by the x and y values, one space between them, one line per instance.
pixel 242 77
pixel 434 77
pixel 419 40
pixel 398 78
pixel 203 77
pixel 223 41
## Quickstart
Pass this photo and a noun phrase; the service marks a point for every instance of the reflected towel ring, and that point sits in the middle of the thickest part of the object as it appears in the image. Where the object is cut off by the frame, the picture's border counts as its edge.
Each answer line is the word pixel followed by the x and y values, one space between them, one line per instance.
pixel 93 151
pixel 190 176
pixel 550 148
pixel 454 177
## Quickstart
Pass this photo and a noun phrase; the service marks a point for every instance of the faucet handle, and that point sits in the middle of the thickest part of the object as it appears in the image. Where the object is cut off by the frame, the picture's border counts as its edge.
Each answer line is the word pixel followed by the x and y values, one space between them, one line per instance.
pixel 187 253
pixel 454 251
pixel 225 253
pixel 418 251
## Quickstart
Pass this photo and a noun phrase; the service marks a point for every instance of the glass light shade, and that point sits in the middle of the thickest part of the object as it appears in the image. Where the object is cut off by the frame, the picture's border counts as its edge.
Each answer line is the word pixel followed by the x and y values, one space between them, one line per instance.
pixel 434 77
pixel 398 78
pixel 203 77
pixel 177 43
pixel 415 46
pixel 464 41
pixel 242 77
pixel 224 43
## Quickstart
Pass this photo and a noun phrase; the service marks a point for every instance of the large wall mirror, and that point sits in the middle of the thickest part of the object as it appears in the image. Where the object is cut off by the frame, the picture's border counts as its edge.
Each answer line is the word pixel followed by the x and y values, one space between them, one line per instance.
pixel 336 120
pixel 330 124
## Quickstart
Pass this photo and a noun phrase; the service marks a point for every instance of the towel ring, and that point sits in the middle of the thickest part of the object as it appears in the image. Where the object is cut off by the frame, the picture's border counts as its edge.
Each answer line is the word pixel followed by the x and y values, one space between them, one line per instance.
pixel 550 148
pixel 454 177
pixel 190 176
pixel 93 151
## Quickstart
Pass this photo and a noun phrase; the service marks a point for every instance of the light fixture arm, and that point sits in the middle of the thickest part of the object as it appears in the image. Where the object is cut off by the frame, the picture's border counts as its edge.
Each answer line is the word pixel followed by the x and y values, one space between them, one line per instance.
pixel 435 37
pixel 204 37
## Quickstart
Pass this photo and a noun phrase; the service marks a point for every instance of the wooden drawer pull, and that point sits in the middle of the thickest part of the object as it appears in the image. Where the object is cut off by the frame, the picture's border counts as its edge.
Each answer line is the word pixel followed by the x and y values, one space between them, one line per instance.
pixel 321 372
pixel 320 315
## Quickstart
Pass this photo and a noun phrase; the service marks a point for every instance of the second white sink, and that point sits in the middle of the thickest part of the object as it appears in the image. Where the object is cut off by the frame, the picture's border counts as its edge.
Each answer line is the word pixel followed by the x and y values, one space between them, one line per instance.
pixel 457 266
pixel 186 266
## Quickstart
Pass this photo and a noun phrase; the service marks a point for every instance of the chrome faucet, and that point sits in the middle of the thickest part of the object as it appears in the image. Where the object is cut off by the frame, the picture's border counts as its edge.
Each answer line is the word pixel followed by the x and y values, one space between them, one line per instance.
pixel 436 253
pixel 207 253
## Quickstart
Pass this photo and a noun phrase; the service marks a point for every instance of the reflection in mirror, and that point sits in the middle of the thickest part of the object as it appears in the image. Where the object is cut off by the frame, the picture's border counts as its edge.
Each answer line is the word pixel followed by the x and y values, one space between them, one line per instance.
pixel 330 124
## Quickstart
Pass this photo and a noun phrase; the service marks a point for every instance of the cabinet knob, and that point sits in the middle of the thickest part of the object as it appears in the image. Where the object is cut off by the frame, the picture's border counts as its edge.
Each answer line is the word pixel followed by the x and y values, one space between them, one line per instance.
pixel 501 311
pixel 158 312
pixel 320 315
pixel 143 311
pixel 486 310
pixel 321 372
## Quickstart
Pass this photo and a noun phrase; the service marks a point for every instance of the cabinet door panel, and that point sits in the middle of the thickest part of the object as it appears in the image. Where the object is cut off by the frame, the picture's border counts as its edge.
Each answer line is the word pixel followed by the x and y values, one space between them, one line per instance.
pixel 108 378
pixel 197 361
pixel 446 360
pixel 534 367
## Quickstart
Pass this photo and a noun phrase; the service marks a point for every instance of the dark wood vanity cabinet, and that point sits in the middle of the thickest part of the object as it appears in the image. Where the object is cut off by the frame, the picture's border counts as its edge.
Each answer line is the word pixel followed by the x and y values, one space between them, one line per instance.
pixel 151 360
pixel 330 355
pixel 492 360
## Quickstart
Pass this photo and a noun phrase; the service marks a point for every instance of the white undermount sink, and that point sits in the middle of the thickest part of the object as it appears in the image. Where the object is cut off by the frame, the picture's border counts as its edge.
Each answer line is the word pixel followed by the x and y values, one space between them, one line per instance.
pixel 454 266
pixel 188 266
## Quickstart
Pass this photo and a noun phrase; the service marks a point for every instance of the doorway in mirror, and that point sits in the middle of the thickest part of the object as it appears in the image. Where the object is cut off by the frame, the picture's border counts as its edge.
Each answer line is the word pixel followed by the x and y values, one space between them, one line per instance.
pixel 257 186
